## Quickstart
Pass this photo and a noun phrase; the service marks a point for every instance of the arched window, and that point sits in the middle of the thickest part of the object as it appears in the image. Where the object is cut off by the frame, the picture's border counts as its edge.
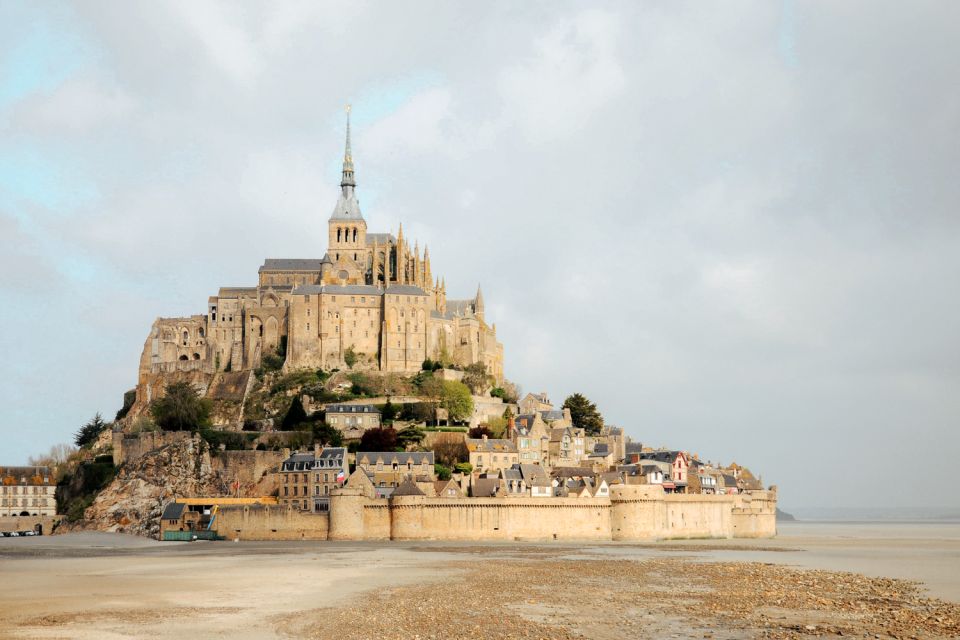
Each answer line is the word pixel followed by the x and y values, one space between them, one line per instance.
pixel 186 337
pixel 338 234
pixel 354 236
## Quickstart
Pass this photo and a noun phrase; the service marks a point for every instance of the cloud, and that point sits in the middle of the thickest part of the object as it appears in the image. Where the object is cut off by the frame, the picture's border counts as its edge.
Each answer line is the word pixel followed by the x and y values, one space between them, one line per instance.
pixel 78 105
pixel 573 70
pixel 735 230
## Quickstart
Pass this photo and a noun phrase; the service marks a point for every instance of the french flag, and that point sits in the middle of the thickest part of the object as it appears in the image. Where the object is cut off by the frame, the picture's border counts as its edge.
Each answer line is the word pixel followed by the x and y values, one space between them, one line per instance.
pixel 341 476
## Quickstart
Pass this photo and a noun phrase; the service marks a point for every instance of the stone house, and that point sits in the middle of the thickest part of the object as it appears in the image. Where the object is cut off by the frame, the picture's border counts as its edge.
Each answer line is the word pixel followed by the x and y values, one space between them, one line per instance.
pixel 676 479
pixel 27 491
pixel 447 489
pixel 352 420
pixel 491 454
pixel 388 469
pixel 532 439
pixel 566 447
pixel 305 480
pixel 535 403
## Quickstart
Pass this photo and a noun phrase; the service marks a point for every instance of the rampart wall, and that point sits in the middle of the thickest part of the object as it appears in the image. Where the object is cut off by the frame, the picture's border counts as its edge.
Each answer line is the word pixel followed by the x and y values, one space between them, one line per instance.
pixel 266 522
pixel 631 513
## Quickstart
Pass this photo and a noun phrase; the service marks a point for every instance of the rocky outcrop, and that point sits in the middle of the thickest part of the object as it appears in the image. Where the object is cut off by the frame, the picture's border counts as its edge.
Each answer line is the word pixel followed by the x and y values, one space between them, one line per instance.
pixel 134 500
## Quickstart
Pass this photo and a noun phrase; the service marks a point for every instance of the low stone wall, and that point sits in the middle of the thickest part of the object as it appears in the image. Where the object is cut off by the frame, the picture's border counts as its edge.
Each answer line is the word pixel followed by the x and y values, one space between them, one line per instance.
pixel 28 523
pixel 132 446
pixel 247 466
pixel 263 522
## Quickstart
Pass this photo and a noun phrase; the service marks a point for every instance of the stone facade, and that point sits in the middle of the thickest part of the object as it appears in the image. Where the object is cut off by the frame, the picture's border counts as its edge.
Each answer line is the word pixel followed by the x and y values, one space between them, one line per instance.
pixel 27 491
pixel 372 296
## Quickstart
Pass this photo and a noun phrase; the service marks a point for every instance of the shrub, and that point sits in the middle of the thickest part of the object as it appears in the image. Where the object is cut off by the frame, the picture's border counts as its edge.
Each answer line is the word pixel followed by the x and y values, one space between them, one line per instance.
pixel 463 467
pixel 295 415
pixel 443 472
pixel 181 409
pixel 350 356
pixel 382 439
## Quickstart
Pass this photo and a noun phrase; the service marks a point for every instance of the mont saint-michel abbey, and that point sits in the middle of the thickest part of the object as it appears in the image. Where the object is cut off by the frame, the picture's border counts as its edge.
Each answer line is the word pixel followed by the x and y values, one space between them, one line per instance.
pixel 371 293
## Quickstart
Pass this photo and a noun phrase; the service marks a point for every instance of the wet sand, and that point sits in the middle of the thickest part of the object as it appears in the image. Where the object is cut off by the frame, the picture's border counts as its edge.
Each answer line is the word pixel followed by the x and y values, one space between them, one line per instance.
pixel 93 585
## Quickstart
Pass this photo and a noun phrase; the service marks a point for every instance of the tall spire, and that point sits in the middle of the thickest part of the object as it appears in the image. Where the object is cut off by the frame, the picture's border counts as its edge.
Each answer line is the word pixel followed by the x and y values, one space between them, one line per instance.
pixel 348 179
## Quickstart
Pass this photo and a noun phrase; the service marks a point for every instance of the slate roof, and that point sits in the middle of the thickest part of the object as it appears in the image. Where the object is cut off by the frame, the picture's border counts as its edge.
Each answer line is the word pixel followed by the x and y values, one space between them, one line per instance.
pixel 173 511
pixel 491 445
pixel 459 307
pixel 570 472
pixel 406 289
pixel 291 264
pixel 485 487
pixel 298 462
pixel 551 416
pixel 407 488
pixel 388 457
pixel 661 456
pixel 351 408
pixel 634 447
pixel 21 474
pixel 381 238
pixel 600 450
pixel 316 289
pixel 728 480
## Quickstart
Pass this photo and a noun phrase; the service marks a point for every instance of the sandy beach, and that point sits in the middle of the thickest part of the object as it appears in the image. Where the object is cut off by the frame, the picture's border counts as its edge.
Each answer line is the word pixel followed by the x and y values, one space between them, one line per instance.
pixel 828 580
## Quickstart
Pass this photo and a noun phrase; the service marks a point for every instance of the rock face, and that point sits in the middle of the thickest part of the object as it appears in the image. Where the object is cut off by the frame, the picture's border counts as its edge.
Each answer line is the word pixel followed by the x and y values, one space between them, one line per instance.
pixel 133 502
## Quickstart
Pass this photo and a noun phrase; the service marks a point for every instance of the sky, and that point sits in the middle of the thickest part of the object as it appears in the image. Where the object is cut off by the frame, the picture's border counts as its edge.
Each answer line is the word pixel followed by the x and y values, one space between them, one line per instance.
pixel 734 226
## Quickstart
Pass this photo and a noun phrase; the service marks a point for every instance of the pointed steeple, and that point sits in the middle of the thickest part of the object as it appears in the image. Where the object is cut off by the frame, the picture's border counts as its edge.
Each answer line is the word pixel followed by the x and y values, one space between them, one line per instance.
pixel 479 298
pixel 348 179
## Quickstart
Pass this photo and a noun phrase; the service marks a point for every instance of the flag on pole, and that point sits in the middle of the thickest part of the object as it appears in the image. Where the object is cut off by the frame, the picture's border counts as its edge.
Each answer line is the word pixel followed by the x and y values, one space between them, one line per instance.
pixel 341 476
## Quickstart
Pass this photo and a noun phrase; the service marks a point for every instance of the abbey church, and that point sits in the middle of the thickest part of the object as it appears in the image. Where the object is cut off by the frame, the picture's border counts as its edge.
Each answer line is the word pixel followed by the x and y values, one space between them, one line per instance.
pixel 371 296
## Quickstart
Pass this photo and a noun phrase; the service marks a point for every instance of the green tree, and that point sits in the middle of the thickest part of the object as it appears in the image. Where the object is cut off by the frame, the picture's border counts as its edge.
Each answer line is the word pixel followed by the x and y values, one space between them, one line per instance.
pixel 350 356
pixel 449 451
pixel 476 377
pixel 295 415
pixel 427 365
pixel 381 439
pixel 584 414
pixel 478 432
pixel 463 467
pixel 389 412
pixel 181 409
pixel 410 436
pixel 455 398
pixel 327 435
pixel 89 432
pixel 443 472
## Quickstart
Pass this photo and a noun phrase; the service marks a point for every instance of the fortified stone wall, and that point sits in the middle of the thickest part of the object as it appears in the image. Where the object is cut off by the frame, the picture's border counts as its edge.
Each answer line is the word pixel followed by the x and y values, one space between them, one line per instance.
pixel 755 515
pixel 421 518
pixel 632 512
pixel 265 522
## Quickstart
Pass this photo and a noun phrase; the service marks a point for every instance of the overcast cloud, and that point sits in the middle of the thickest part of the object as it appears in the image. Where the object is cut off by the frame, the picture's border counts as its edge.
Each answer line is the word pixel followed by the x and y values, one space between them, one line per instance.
pixel 732 225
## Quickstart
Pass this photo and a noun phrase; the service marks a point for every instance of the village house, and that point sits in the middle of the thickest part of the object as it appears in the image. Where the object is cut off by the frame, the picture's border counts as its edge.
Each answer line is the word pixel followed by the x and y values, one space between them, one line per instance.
pixel 352 420
pixel 531 436
pixel 491 454
pixel 535 403
pixel 388 469
pixel 306 479
pixel 676 479
pixel 566 447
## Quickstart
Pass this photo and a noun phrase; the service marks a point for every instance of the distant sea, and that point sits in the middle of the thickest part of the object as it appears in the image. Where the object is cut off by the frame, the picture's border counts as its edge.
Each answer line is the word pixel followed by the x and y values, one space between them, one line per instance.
pixel 941 515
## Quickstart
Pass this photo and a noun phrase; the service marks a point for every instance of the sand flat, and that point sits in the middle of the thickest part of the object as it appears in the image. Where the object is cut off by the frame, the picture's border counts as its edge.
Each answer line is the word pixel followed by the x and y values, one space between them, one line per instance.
pixel 92 585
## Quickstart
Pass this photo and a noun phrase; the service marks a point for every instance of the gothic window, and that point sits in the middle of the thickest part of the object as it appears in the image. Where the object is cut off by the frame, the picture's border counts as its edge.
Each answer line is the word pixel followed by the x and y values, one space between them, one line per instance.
pixel 354 239
pixel 186 337
pixel 338 234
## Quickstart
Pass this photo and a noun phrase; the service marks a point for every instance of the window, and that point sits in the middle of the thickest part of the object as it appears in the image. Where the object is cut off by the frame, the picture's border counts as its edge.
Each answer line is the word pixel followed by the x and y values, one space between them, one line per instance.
pixel 306 298
pixel 308 326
